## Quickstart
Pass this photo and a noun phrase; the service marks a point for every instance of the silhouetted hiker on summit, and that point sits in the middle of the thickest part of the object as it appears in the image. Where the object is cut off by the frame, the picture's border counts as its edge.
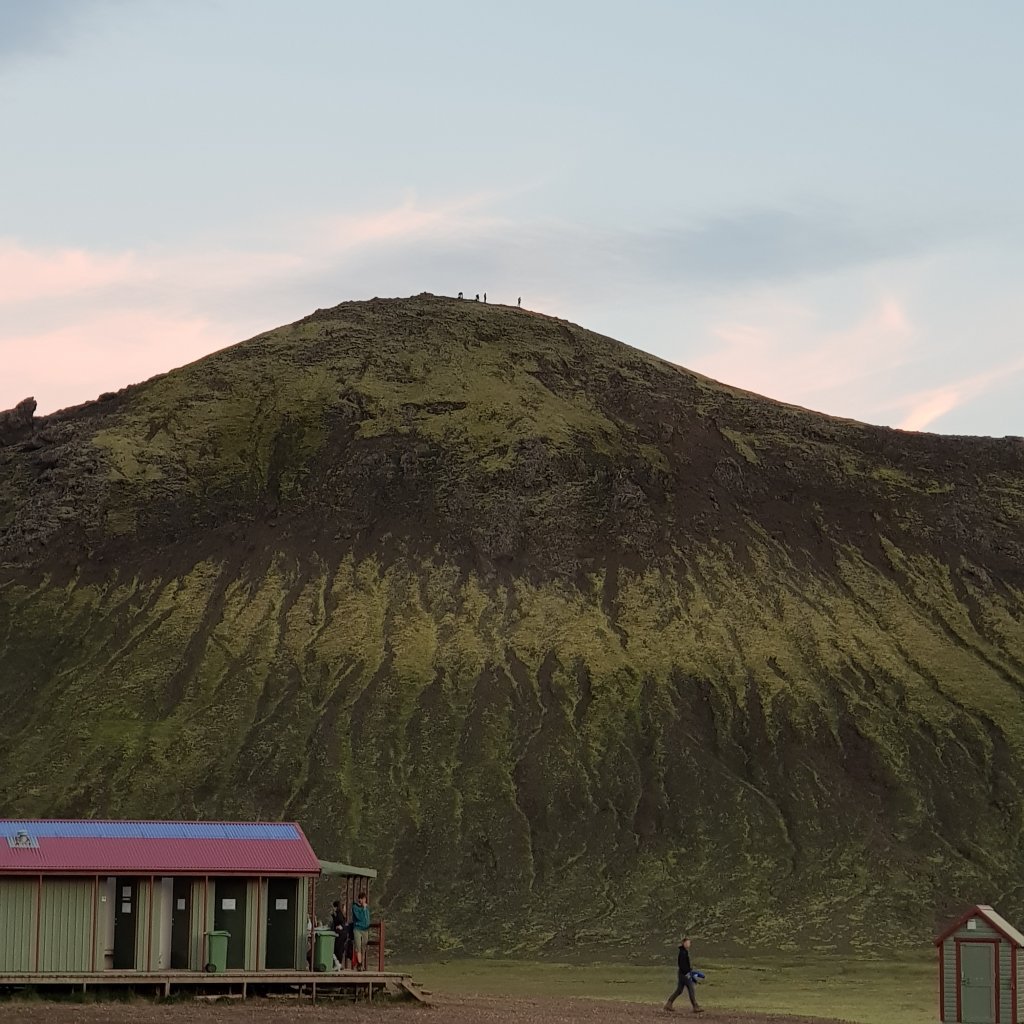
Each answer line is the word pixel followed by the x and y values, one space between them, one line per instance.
pixel 460 295
pixel 485 296
pixel 477 297
pixel 519 302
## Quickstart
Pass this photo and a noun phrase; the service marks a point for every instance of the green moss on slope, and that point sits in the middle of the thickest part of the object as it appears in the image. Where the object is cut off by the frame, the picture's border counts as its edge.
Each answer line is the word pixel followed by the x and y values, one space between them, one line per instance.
pixel 577 647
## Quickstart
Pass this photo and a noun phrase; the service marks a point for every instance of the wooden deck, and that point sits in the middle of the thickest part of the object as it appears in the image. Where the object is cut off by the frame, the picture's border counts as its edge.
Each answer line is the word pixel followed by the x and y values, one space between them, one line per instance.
pixel 236 984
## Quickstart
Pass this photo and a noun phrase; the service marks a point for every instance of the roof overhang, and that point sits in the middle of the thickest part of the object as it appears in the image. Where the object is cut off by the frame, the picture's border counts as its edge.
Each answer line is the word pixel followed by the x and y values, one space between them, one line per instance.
pixel 334 869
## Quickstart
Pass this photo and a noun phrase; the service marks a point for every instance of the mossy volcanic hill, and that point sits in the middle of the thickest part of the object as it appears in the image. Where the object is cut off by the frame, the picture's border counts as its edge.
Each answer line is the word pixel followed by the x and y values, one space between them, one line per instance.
pixel 576 646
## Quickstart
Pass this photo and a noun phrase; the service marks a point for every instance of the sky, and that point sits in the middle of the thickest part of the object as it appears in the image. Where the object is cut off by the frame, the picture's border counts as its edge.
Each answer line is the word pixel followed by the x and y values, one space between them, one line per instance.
pixel 818 201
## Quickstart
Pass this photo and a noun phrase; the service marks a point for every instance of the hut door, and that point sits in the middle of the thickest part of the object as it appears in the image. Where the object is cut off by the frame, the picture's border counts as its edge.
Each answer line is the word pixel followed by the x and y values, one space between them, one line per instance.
pixel 282 923
pixel 181 924
pixel 126 923
pixel 229 916
pixel 977 982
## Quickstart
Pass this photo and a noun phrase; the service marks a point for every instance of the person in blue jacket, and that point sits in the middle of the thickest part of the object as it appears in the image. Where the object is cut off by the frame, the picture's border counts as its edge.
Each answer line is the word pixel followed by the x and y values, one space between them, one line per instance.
pixel 360 931
pixel 686 980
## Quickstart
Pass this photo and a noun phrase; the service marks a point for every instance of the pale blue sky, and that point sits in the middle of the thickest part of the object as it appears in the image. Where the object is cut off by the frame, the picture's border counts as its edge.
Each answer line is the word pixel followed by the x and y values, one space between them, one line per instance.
pixel 815 200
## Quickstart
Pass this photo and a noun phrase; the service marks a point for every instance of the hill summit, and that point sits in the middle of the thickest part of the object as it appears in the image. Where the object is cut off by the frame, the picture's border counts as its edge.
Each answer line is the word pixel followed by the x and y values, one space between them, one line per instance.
pixel 576 646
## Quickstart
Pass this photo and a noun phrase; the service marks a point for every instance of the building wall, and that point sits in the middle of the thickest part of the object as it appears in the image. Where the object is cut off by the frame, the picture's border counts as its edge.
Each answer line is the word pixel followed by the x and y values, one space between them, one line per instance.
pixel 302 939
pixel 144 925
pixel 249 937
pixel 1020 984
pixel 165 910
pixel 105 924
pixel 18 923
pixel 67 922
pixel 76 920
pixel 981 930
pixel 197 946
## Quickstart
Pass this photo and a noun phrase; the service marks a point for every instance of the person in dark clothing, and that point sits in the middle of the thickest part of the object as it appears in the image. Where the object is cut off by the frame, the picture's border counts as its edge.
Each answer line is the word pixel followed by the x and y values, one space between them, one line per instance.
pixel 685 981
pixel 339 925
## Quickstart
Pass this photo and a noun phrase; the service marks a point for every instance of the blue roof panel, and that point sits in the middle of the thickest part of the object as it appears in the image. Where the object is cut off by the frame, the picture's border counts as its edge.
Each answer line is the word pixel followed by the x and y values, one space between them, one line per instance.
pixel 151 829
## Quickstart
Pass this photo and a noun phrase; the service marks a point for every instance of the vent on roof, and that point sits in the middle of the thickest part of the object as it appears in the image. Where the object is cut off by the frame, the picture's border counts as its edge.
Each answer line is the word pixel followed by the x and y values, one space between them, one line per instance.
pixel 21 840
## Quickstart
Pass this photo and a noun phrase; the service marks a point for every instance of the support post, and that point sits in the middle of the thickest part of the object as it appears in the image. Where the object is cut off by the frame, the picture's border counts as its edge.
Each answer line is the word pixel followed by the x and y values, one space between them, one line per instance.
pixel 39 919
pixel 312 930
pixel 259 922
pixel 95 916
pixel 149 928
pixel 203 951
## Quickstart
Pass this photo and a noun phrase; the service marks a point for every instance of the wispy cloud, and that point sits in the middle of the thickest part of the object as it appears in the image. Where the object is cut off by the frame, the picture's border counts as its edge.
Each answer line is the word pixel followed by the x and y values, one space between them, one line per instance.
pixel 78 322
pixel 787 354
pixel 772 244
pixel 28 274
pixel 412 221
pixel 100 320
pixel 105 351
pixel 922 408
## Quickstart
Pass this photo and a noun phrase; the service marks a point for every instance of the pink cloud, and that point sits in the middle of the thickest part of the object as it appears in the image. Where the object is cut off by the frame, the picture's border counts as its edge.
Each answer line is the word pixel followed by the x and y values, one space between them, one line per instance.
pixel 922 408
pixel 409 220
pixel 71 364
pixel 86 322
pixel 29 274
pixel 780 350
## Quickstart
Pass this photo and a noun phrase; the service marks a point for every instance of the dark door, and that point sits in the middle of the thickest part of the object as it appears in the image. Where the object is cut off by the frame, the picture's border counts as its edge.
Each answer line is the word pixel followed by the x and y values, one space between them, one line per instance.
pixel 126 923
pixel 282 921
pixel 181 922
pixel 229 916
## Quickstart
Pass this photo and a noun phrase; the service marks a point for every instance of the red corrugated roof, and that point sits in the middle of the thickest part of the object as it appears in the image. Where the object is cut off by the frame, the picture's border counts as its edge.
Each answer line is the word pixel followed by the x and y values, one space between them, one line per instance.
pixel 164 855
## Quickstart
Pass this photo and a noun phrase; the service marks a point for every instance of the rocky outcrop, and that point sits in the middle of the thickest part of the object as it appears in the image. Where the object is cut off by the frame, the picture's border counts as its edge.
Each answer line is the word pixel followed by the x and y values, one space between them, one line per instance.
pixel 16 423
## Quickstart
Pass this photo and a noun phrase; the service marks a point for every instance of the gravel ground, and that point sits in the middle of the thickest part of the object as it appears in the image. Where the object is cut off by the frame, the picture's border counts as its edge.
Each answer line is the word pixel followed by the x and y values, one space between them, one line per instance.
pixel 446 1010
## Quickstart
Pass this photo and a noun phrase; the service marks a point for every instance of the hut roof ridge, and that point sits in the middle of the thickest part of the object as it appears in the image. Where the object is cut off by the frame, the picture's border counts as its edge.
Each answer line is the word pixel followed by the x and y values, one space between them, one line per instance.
pixel 996 920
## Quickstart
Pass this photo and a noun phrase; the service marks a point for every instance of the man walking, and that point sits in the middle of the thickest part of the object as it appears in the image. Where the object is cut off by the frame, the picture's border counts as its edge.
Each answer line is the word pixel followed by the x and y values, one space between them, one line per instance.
pixel 360 931
pixel 685 978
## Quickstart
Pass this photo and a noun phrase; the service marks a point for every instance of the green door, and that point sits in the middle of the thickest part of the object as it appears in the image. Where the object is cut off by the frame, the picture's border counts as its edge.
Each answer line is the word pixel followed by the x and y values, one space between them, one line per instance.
pixel 126 923
pixel 977 982
pixel 229 916
pixel 282 923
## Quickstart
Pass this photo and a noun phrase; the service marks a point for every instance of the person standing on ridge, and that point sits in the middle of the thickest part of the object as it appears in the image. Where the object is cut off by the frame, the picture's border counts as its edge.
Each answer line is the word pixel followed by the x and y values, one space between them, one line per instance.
pixel 685 980
pixel 360 931
pixel 519 302
pixel 485 296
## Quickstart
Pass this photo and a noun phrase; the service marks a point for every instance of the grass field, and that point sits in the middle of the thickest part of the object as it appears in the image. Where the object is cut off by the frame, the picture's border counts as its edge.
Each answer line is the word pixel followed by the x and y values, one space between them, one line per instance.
pixel 865 991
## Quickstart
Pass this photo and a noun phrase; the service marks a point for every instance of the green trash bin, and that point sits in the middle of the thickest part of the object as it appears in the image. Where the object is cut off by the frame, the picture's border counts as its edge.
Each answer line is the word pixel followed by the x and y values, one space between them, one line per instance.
pixel 323 949
pixel 217 952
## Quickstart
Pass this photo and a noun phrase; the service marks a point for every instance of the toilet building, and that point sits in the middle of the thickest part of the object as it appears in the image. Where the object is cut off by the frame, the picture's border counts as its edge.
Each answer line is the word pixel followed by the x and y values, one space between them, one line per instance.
pixel 107 896
pixel 980 970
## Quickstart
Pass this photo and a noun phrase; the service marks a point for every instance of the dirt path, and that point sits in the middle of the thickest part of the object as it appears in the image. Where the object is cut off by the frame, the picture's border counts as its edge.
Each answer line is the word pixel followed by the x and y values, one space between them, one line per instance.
pixel 446 1010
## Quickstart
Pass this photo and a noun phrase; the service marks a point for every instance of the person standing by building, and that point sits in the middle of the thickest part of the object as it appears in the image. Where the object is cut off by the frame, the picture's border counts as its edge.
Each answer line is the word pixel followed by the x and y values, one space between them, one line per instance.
pixel 339 925
pixel 360 931
pixel 685 979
